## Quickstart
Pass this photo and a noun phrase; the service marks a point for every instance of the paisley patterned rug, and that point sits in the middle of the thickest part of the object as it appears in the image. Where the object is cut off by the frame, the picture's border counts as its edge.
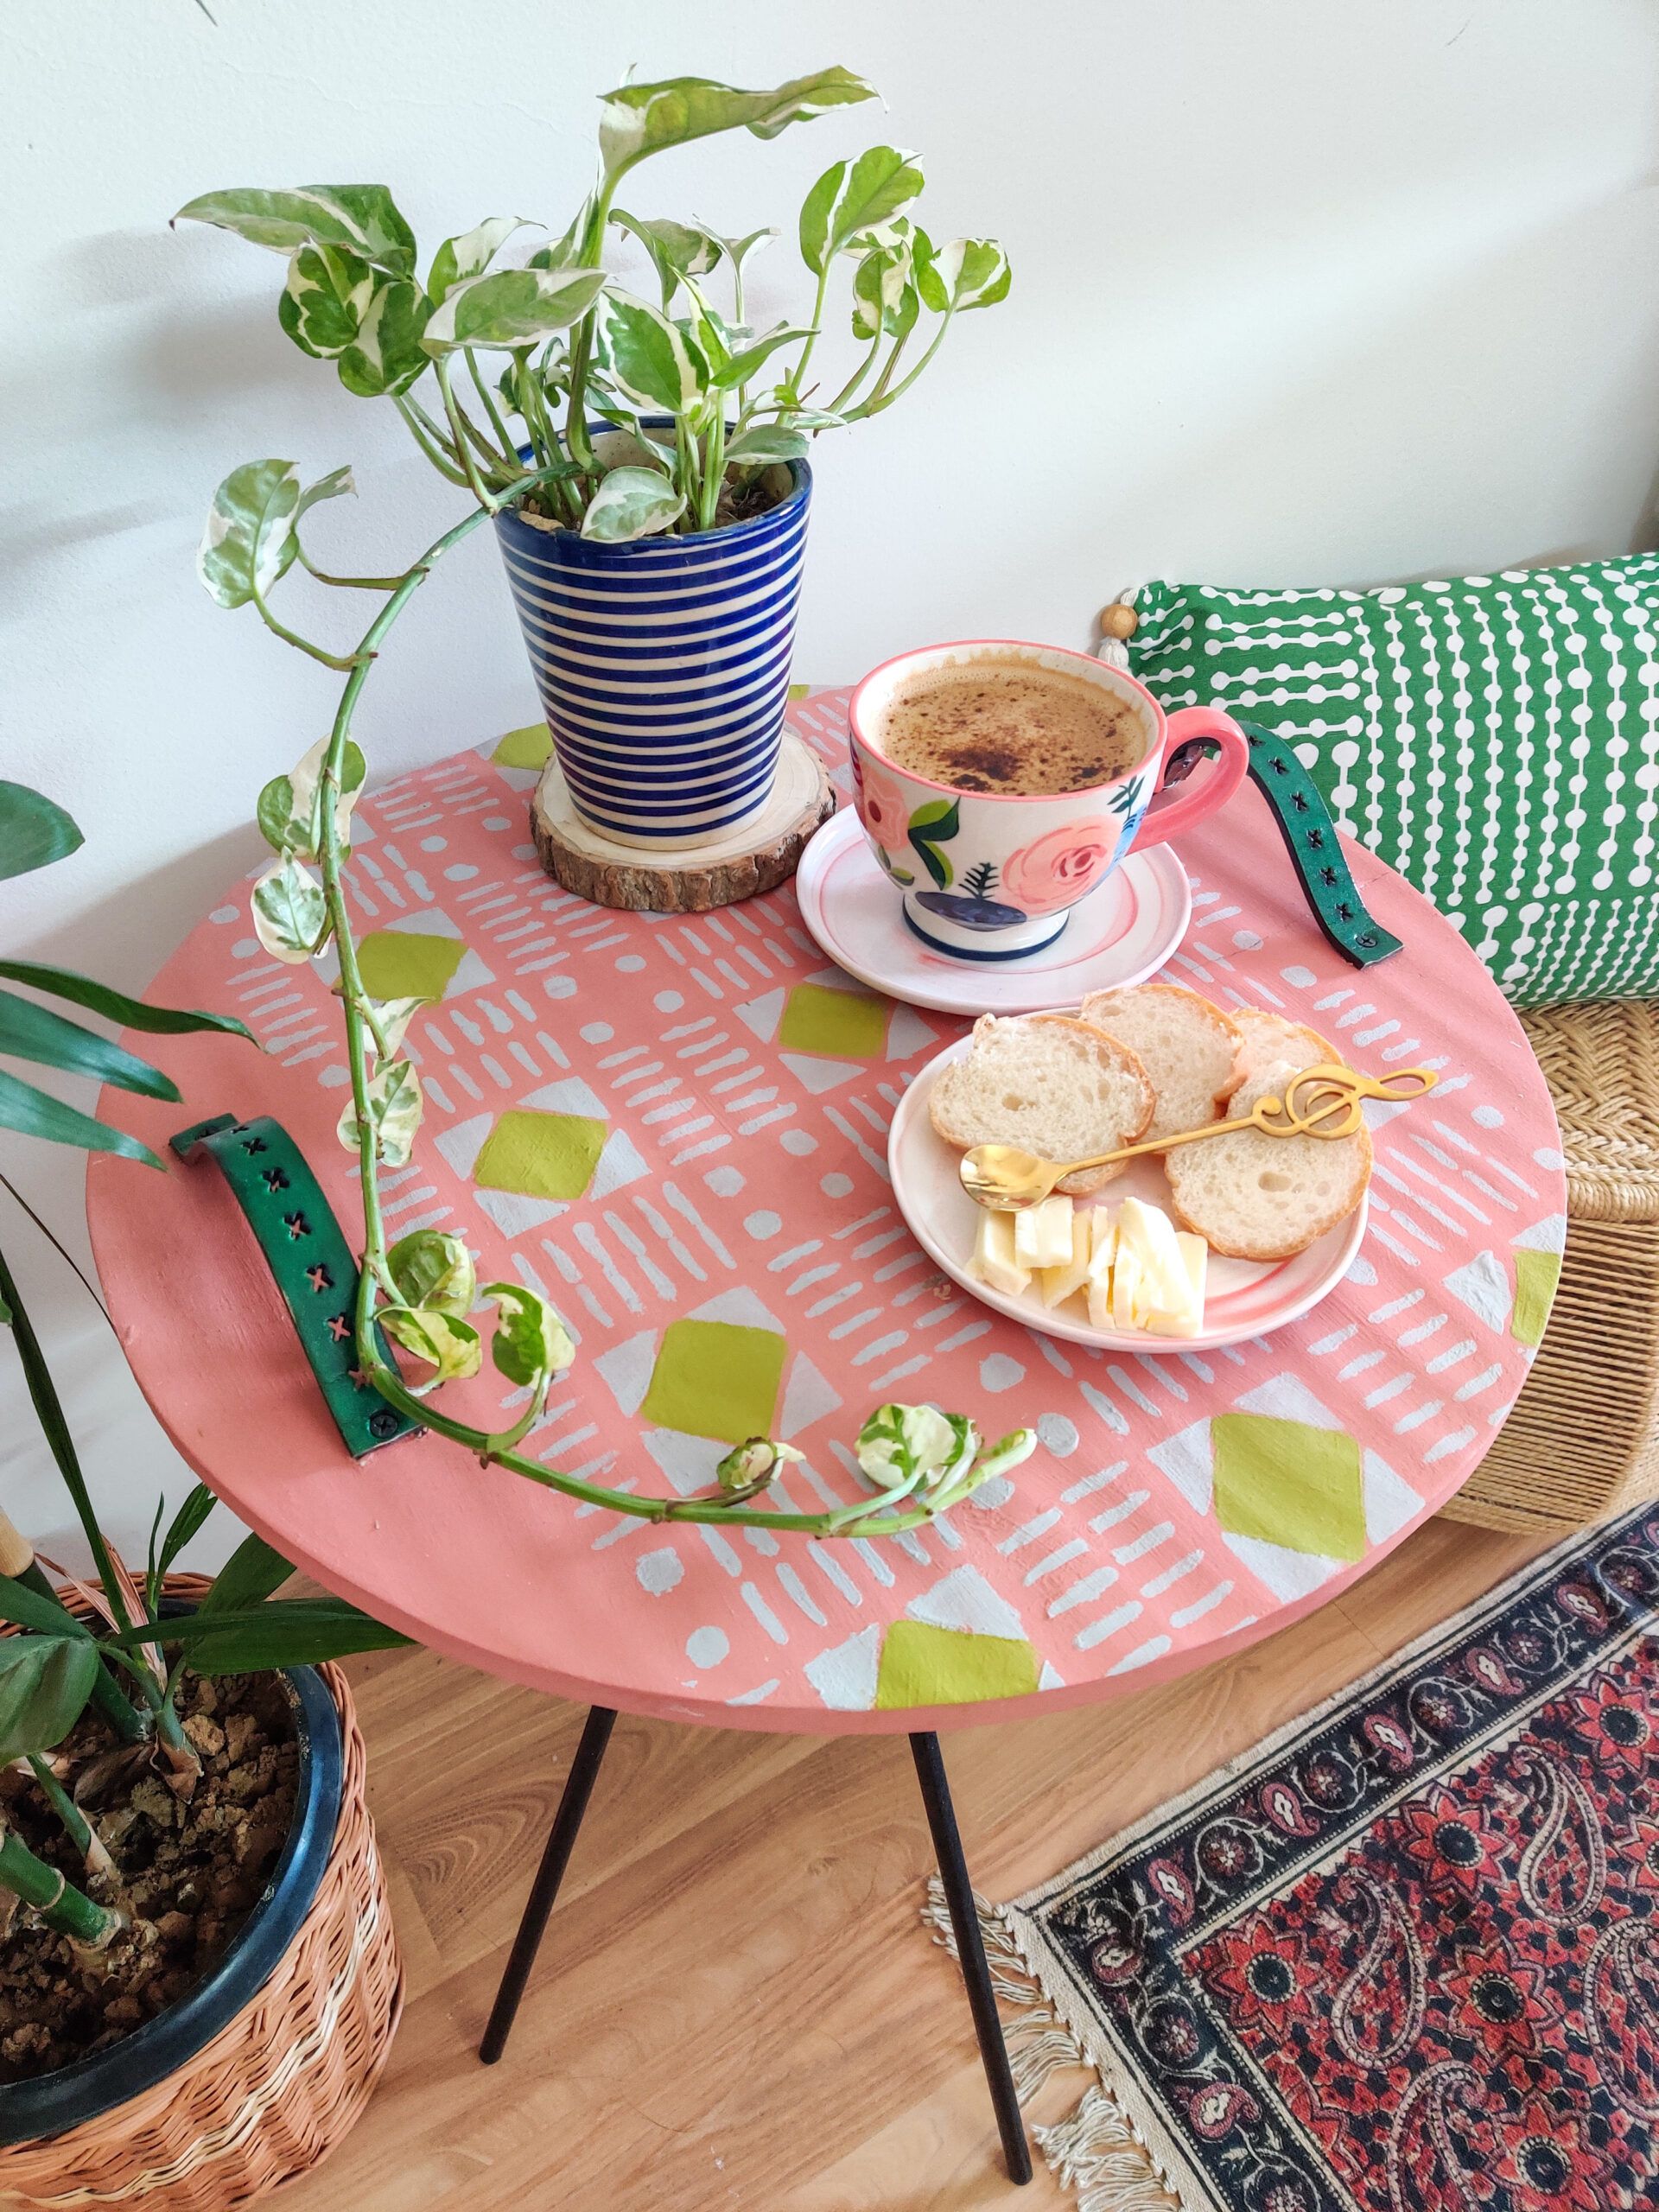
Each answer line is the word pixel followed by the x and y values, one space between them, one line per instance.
pixel 1404 1955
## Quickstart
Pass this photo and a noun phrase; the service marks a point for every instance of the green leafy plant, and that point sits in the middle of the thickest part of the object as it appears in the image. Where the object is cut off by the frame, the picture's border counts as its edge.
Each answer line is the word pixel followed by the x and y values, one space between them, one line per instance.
pixel 571 335
pixel 710 402
pixel 130 1666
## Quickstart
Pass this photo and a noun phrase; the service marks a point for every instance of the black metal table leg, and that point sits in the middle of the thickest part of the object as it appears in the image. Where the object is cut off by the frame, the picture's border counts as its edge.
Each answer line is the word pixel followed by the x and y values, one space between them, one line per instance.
pixel 578 1788
pixel 970 1950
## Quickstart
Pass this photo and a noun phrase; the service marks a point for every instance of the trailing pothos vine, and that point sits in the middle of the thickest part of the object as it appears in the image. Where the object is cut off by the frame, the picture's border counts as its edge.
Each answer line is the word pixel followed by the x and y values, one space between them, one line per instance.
pixel 421 1290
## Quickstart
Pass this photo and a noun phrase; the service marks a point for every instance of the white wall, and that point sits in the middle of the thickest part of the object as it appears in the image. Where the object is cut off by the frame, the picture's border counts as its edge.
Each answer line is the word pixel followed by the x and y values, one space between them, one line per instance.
pixel 1302 292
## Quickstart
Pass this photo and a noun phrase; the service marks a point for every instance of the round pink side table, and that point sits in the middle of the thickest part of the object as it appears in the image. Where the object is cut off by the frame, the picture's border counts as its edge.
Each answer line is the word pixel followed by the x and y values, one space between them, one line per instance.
pixel 675 1126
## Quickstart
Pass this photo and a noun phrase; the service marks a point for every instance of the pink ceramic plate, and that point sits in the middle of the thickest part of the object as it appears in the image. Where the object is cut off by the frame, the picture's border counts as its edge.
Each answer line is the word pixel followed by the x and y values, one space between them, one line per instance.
pixel 1120 935
pixel 1244 1298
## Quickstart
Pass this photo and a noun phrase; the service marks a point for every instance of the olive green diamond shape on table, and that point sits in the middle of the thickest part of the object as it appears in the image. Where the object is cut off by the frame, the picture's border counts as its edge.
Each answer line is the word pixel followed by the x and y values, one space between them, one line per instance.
pixel 925 1665
pixel 842 1025
pixel 541 1155
pixel 1288 1484
pixel 716 1378
pixel 523 748
pixel 407 964
pixel 1536 1274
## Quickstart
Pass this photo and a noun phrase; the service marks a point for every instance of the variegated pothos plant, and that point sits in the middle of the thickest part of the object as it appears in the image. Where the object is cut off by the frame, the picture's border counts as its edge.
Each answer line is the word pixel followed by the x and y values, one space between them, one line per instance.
pixel 579 346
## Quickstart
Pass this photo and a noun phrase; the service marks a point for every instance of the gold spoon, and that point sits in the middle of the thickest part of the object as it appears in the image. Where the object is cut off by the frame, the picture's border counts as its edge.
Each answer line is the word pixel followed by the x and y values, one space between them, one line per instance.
pixel 1319 1102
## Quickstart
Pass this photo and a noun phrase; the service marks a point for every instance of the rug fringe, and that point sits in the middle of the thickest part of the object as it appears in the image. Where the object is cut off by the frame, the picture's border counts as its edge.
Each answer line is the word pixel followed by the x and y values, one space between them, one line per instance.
pixel 1095 2150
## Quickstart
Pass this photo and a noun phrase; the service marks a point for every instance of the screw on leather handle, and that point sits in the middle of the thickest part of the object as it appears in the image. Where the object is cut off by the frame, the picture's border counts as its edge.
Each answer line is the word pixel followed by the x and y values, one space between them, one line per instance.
pixel 308 1254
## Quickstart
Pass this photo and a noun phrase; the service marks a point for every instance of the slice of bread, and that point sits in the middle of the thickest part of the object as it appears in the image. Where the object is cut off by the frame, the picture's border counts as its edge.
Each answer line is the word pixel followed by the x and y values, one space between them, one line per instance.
pixel 1265 1038
pixel 1048 1084
pixel 1260 1197
pixel 1187 1046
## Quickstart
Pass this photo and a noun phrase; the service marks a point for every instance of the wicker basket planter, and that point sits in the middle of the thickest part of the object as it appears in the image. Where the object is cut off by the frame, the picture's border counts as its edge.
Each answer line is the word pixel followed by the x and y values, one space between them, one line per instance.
pixel 259 2073
pixel 1582 1441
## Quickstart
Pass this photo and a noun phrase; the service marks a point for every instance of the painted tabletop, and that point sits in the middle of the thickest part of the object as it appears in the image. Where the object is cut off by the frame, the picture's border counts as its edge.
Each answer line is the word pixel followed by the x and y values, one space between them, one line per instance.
pixel 675 1126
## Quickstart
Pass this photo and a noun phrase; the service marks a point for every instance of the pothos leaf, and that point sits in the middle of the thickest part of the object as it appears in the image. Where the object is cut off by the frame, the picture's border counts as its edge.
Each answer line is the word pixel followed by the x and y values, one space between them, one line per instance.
pixel 512 307
pixel 677 250
pixel 640 119
pixel 392 1018
pixel 530 1340
pixel 632 503
pixel 388 353
pixel 362 218
pixel 325 299
pixel 450 1345
pixel 652 361
pixel 765 441
pixel 470 255
pixel 250 542
pixel 34 830
pixel 395 1106
pixel 291 807
pixel 965 273
pixel 431 1268
pixel 851 196
pixel 290 916
pixel 884 294
pixel 747 361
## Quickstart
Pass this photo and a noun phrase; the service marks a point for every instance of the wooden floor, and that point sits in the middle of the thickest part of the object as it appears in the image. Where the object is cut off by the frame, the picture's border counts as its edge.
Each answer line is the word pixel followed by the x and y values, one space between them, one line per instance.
pixel 736 2005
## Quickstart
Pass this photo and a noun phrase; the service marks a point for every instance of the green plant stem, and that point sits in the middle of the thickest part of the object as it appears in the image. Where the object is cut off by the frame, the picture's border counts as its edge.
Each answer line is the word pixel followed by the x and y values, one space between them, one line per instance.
pixel 347 583
pixel 834 406
pixel 713 472
pixel 66 1910
pixel 459 426
pixel 509 450
pixel 882 397
pixel 498 1449
pixel 577 443
pixel 49 1410
pixel 817 327
pixel 436 450
pixel 75 1824
pixel 292 636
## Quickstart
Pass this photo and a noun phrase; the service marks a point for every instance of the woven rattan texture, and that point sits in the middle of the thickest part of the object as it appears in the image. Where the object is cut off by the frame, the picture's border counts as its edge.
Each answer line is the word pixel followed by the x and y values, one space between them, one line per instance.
pixel 1583 1439
pixel 283 2082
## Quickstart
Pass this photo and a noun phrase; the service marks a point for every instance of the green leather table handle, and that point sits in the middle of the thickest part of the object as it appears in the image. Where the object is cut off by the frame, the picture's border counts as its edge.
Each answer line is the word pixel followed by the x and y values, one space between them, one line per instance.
pixel 1315 849
pixel 305 1252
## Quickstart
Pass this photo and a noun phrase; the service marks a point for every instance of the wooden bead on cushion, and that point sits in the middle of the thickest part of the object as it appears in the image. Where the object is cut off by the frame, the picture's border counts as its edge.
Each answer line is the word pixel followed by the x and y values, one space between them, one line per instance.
pixel 1118 620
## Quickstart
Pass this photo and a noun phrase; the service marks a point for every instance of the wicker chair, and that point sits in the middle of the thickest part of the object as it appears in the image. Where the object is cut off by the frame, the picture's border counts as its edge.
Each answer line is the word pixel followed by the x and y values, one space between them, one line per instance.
pixel 1583 1439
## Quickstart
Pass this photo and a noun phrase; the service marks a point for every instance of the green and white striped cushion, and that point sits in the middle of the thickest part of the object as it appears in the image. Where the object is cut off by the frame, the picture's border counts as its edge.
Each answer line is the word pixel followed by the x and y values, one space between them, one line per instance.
pixel 1494 738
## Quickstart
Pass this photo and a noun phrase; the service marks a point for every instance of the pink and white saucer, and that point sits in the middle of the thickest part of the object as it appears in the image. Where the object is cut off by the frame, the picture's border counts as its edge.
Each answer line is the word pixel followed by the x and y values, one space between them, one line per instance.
pixel 1120 934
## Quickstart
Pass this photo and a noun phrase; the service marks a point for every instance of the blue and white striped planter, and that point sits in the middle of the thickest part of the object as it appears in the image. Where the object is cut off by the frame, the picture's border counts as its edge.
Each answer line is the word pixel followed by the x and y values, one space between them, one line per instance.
pixel 663 664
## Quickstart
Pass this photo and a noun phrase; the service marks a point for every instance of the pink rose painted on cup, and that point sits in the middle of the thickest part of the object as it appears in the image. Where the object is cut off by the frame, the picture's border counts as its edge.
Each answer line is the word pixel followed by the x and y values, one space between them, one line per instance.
pixel 882 807
pixel 1056 868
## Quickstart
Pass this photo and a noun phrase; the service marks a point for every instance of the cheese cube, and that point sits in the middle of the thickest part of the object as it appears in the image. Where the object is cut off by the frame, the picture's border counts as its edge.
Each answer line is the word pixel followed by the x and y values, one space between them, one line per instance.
pixel 1186 1318
pixel 993 1262
pixel 1060 1283
pixel 1042 1234
pixel 1149 1234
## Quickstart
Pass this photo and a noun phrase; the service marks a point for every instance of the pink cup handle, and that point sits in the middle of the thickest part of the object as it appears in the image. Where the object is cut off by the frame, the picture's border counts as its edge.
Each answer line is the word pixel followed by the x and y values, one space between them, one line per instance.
pixel 1185 808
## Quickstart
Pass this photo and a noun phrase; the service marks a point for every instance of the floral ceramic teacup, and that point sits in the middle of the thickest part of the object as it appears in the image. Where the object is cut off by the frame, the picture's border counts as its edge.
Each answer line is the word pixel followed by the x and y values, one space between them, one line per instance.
pixel 993 876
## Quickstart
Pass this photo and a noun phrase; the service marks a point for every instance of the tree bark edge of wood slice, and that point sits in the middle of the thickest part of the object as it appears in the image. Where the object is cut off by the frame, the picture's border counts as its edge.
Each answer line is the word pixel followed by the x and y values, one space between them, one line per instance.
pixel 693 880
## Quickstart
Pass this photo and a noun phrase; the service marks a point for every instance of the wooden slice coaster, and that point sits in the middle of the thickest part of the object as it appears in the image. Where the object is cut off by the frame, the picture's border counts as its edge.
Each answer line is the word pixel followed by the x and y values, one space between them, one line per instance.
pixel 737 865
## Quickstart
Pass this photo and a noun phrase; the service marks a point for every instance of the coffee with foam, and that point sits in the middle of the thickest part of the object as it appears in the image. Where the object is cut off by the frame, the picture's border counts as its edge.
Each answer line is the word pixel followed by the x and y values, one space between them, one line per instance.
pixel 1009 727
